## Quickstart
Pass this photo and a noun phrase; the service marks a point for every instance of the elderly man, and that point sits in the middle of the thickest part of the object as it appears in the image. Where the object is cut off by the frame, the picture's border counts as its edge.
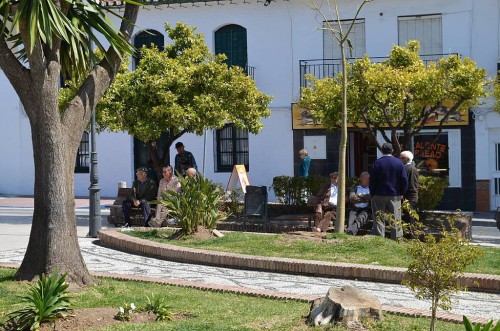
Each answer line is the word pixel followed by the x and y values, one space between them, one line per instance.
pixel 144 191
pixel 411 194
pixel 388 183
pixel 359 199
pixel 326 209
pixel 183 160
pixel 305 164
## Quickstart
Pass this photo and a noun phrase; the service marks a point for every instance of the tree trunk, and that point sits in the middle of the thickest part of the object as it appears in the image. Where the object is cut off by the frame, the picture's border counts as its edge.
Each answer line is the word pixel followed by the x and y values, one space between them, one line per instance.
pixel 340 219
pixel 53 243
pixel 433 316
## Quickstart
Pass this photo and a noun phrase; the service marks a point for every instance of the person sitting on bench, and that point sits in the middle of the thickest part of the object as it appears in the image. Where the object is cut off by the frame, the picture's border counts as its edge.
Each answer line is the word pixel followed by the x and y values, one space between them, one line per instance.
pixel 360 210
pixel 326 209
pixel 144 191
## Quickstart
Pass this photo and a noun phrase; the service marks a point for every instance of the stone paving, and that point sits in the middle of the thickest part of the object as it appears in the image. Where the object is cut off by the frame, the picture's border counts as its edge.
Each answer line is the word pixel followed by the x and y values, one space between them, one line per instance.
pixel 104 260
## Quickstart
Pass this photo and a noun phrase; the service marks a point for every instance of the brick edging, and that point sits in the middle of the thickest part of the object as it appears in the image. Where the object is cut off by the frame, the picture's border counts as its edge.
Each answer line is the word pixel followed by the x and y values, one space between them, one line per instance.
pixel 115 239
pixel 395 310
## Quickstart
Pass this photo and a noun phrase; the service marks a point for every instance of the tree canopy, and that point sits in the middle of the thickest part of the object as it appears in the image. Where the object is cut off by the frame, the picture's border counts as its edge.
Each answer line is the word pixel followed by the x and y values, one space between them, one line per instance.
pixel 400 95
pixel 184 88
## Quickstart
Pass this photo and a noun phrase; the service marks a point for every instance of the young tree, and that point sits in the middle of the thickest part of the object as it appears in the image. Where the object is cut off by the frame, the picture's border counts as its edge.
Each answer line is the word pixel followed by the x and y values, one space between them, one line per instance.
pixel 436 264
pixel 400 95
pixel 184 88
pixel 40 40
pixel 341 37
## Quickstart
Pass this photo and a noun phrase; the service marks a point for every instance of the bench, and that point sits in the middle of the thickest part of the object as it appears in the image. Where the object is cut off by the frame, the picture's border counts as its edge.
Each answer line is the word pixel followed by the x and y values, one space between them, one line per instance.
pixel 115 212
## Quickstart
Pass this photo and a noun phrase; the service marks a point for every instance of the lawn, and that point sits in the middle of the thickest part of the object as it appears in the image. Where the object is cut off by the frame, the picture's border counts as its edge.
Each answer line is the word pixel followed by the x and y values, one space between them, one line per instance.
pixel 204 310
pixel 335 248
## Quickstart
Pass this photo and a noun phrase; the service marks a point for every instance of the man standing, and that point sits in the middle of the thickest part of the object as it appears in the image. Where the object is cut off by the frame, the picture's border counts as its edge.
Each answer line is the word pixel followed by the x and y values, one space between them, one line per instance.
pixel 183 160
pixel 360 210
pixel 144 191
pixel 411 193
pixel 326 209
pixel 304 164
pixel 388 183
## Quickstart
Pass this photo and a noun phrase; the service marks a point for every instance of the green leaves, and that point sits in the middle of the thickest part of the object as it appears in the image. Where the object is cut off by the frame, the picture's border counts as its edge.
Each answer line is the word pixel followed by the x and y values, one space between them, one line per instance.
pixel 479 327
pixel 182 89
pixel 69 25
pixel 197 204
pixel 46 301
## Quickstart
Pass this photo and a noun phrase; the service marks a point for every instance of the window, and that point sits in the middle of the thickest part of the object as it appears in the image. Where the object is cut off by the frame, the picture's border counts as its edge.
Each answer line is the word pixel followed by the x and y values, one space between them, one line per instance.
pixel 146 38
pixel 425 28
pixel 231 148
pixel 231 40
pixel 331 49
pixel 82 164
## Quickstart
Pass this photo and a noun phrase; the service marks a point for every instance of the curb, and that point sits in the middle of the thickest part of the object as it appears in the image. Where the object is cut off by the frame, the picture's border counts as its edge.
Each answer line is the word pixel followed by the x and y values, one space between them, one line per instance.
pixel 112 238
pixel 399 311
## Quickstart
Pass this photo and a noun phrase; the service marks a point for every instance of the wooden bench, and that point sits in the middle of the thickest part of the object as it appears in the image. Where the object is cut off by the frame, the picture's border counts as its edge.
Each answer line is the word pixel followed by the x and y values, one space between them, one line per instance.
pixel 115 211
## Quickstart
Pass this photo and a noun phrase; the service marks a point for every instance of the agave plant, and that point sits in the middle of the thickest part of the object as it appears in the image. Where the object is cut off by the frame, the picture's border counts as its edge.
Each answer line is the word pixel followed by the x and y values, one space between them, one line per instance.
pixel 196 204
pixel 46 301
pixel 158 306
pixel 479 327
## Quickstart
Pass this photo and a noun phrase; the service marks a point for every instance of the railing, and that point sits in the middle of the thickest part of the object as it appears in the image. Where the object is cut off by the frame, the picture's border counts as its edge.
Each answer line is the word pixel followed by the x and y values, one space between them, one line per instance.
pixel 322 68
pixel 250 71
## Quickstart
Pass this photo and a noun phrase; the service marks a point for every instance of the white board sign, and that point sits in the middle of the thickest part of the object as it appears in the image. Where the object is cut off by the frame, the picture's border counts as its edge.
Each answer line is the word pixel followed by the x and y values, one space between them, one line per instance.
pixel 316 147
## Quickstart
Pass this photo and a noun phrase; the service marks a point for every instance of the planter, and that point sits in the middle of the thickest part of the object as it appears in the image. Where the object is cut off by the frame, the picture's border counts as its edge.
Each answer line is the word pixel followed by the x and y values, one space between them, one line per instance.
pixel 435 221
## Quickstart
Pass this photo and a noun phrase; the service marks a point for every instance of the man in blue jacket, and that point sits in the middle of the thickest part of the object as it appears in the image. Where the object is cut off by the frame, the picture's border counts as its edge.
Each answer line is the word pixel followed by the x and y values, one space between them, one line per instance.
pixel 388 183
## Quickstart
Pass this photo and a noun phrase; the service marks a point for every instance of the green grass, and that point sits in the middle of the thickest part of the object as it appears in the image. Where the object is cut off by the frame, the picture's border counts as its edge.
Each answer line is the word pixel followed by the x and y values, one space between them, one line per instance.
pixel 206 310
pixel 340 248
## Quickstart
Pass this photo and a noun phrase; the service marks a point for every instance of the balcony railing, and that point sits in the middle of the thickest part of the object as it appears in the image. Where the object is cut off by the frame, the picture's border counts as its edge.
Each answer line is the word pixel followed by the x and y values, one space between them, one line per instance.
pixel 322 68
pixel 250 71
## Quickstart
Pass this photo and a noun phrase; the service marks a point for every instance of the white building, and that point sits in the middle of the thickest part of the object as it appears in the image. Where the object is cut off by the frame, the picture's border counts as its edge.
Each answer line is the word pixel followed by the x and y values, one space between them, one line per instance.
pixel 281 40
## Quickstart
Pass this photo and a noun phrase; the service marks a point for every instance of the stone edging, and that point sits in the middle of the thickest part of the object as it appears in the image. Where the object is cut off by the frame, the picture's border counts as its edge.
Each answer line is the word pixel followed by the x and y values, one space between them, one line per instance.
pixel 400 311
pixel 115 239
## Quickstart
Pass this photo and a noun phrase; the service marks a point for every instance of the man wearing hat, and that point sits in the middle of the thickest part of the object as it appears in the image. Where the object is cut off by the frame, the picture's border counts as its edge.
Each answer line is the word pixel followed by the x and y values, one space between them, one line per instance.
pixel 144 191
pixel 388 183
pixel 183 160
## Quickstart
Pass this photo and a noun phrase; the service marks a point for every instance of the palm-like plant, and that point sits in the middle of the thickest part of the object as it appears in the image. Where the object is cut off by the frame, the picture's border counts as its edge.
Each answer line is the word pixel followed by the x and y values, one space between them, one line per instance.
pixel 196 204
pixel 46 301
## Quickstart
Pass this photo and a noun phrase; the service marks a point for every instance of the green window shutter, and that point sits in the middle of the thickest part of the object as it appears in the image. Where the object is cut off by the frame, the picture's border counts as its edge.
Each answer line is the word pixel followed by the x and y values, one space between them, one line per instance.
pixel 232 41
pixel 146 38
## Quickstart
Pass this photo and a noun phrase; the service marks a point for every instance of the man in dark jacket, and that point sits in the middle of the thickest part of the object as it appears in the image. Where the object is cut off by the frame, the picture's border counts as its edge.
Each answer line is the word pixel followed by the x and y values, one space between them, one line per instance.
pixel 388 183
pixel 183 160
pixel 411 193
pixel 144 190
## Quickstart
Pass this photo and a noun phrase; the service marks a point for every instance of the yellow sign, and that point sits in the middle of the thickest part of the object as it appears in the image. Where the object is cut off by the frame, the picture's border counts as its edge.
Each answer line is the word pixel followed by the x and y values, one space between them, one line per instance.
pixel 239 174
pixel 302 118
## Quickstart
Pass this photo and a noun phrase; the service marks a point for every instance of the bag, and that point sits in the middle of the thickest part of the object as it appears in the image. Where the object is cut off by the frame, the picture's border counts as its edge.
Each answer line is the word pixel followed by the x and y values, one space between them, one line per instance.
pixel 155 223
pixel 312 201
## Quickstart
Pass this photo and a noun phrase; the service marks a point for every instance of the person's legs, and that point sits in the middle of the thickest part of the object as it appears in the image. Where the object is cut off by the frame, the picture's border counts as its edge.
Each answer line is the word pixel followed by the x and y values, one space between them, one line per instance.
pixel 394 207
pixel 360 220
pixel 146 211
pixel 328 215
pixel 353 214
pixel 378 204
pixel 126 206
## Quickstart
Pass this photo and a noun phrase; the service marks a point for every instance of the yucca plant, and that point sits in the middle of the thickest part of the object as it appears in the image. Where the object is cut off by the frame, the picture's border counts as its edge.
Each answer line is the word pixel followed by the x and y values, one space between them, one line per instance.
pixel 46 301
pixel 479 327
pixel 157 306
pixel 197 204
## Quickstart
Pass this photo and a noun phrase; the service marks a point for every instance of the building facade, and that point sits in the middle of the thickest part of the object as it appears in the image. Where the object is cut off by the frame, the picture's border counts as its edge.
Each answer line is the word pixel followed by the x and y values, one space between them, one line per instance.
pixel 274 43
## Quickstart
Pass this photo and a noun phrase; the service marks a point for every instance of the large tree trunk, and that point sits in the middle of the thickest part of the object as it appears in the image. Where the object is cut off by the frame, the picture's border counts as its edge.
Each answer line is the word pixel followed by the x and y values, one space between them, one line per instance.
pixel 53 243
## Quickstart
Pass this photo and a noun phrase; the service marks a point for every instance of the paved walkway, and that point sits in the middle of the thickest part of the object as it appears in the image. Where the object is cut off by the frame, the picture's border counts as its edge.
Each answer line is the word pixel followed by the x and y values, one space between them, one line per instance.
pixel 16 223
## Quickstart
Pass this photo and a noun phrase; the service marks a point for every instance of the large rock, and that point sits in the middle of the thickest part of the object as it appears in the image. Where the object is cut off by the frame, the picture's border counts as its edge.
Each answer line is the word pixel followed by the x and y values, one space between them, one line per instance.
pixel 347 304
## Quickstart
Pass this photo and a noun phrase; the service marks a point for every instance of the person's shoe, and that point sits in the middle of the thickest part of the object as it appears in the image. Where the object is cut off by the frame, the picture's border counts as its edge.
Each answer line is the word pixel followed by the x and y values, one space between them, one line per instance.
pixel 318 230
pixel 349 232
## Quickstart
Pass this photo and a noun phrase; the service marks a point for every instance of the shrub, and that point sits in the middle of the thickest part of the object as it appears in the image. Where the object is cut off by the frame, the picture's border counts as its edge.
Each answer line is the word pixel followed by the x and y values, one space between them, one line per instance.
pixel 436 264
pixel 197 203
pixel 46 301
pixel 430 191
pixel 295 190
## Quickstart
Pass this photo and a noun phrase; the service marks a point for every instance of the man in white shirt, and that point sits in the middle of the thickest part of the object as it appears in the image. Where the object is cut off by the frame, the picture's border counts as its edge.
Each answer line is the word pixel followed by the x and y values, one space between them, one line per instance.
pixel 326 209
pixel 360 210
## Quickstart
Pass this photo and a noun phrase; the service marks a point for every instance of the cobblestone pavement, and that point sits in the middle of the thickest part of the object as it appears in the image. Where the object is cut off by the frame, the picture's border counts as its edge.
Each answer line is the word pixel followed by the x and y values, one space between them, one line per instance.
pixel 101 259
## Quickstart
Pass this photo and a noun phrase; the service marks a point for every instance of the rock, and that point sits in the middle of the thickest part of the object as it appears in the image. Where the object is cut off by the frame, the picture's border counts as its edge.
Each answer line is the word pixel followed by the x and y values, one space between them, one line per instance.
pixel 347 304
pixel 217 233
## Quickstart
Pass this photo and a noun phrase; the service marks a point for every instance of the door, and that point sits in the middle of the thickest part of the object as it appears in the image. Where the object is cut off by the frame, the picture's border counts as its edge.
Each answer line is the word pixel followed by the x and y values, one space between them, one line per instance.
pixel 495 173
